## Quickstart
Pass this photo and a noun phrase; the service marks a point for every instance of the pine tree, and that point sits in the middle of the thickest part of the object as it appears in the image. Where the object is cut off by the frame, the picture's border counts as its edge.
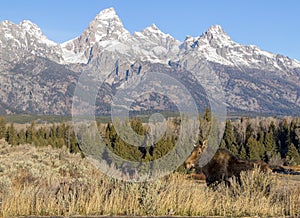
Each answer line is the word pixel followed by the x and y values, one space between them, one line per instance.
pixel 207 115
pixel 2 127
pixel 40 137
pixel 110 135
pixel 243 152
pixel 229 138
pixel 249 132
pixel 137 126
pixel 30 133
pixel 53 136
pixel 269 142
pixel 223 144
pixel 61 135
pixel 21 137
pixel 73 143
pixel 293 155
pixel 147 157
pixel 284 137
pixel 294 129
pixel 261 137
pixel 256 151
pixel 11 136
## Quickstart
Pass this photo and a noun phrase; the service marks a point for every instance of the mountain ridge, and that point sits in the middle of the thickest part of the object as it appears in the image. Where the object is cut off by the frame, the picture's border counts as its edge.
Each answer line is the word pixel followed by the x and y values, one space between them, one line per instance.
pixel 110 14
pixel 253 79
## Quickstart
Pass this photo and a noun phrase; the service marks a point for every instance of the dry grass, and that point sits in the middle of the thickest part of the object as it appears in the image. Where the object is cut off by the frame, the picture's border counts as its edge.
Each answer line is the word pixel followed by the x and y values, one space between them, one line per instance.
pixel 44 181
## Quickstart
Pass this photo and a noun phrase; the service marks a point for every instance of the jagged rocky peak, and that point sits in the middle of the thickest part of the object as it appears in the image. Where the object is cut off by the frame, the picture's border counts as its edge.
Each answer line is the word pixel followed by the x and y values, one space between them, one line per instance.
pixel 216 36
pixel 26 39
pixel 108 13
pixel 33 30
pixel 5 23
pixel 107 25
pixel 19 31
pixel 152 37
pixel 153 30
pixel 106 28
pixel 30 27
pixel 216 30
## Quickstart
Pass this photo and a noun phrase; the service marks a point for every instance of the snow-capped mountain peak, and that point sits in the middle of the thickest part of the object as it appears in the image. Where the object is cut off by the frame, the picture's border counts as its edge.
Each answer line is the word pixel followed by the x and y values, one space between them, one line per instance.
pixel 6 23
pixel 107 25
pixel 33 30
pixel 105 28
pixel 30 27
pixel 153 30
pixel 217 37
pixel 108 13
pixel 154 27
pixel 216 29
pixel 25 39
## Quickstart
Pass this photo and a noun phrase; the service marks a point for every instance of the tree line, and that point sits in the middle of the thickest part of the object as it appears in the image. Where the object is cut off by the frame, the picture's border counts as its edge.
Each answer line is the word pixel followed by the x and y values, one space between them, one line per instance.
pixel 274 140
pixel 58 135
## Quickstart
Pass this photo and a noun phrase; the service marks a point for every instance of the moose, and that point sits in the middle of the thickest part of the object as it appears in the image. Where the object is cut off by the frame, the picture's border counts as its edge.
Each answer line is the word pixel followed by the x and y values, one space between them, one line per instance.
pixel 222 166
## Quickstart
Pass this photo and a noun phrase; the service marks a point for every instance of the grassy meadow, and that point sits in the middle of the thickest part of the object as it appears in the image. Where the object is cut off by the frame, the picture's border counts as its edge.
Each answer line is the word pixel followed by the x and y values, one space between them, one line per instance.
pixel 42 181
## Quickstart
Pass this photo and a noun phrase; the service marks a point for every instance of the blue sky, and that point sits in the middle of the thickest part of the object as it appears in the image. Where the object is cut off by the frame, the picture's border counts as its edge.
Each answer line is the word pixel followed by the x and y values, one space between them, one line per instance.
pixel 272 25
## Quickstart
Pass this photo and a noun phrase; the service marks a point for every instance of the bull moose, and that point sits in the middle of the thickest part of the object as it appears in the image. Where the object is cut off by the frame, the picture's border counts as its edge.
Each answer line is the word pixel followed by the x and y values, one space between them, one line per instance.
pixel 222 166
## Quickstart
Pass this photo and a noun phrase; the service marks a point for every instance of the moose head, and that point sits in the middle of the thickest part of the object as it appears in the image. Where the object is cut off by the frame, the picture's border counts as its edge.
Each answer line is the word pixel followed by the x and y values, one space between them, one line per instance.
pixel 192 161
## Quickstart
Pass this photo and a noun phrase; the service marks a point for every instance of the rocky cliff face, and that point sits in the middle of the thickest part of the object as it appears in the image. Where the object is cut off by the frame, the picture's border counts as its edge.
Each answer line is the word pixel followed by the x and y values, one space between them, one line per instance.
pixel 39 76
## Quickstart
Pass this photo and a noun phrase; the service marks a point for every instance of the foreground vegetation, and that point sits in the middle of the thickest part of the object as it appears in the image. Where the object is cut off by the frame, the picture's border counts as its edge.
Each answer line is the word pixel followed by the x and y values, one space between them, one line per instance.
pixel 43 172
pixel 46 181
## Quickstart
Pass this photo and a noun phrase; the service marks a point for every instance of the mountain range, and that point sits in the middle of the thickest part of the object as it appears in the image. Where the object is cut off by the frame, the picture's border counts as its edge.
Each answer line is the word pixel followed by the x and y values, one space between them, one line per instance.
pixel 39 76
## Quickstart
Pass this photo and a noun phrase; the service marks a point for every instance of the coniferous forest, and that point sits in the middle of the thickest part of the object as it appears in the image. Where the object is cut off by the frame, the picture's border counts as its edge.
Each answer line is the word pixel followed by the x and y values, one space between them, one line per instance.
pixel 271 139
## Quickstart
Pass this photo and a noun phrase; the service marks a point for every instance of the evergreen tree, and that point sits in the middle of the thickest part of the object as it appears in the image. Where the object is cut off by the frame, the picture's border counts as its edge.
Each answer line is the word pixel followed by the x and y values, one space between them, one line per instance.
pixel 2 127
pixel 60 142
pixel 110 136
pixel 30 133
pixel 284 138
pixel 73 145
pixel 261 137
pixel 207 115
pixel 11 136
pixel 40 137
pixel 229 138
pixel 243 152
pixel 147 157
pixel 137 126
pixel 61 135
pixel 223 144
pixel 249 132
pixel 256 151
pixel 272 127
pixel 21 137
pixel 295 133
pixel 269 142
pixel 293 155
pixel 269 145
pixel 53 136
pixel 163 146
pixel 61 130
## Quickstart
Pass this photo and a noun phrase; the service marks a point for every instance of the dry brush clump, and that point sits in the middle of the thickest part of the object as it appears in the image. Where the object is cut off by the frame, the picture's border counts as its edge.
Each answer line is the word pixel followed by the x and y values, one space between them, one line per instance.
pixel 46 181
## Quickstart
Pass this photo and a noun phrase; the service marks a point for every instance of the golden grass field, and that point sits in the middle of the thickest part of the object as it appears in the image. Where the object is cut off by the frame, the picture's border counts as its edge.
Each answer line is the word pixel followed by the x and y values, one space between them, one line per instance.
pixel 48 182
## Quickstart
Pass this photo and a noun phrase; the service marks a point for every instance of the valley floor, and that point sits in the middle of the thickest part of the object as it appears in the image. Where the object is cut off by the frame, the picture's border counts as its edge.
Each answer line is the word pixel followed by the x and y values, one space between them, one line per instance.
pixel 52 182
